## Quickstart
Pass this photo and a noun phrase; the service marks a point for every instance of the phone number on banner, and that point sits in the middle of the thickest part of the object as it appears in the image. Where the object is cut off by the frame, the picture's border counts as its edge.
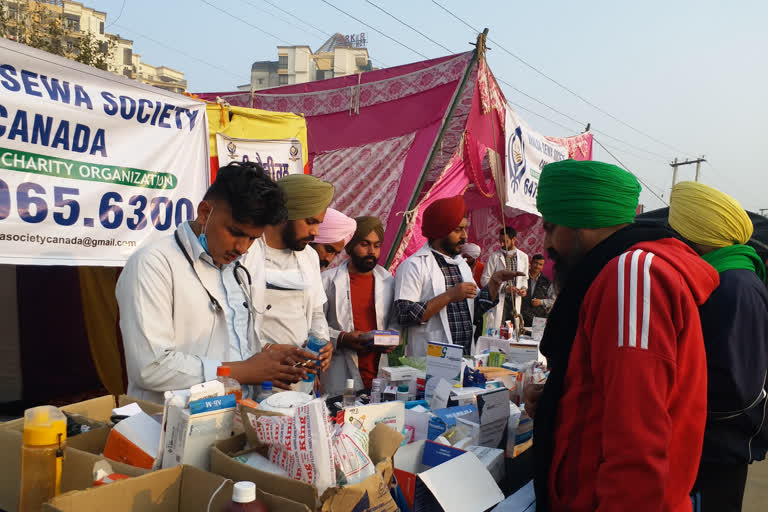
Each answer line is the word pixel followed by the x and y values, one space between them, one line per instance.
pixel 34 202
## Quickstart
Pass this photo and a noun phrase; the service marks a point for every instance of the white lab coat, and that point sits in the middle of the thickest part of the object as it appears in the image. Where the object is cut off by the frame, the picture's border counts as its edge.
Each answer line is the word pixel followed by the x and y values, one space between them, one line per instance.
pixel 172 336
pixel 314 294
pixel 338 312
pixel 497 261
pixel 419 279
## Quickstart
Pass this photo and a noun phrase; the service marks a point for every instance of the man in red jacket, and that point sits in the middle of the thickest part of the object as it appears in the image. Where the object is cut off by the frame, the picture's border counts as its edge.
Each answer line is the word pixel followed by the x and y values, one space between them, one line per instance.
pixel 620 423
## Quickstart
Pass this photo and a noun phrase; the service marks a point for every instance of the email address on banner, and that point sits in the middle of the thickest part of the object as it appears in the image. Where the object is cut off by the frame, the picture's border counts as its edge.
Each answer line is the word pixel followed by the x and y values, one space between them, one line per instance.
pixel 85 241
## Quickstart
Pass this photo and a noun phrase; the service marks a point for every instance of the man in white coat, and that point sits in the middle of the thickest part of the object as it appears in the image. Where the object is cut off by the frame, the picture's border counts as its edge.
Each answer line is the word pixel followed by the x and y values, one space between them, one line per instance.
pixel 294 294
pixel 188 305
pixel 360 294
pixel 511 294
pixel 436 297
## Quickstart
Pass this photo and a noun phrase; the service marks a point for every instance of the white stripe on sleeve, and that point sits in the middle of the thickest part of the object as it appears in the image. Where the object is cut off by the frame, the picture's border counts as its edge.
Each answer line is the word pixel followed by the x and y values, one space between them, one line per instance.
pixel 646 300
pixel 620 297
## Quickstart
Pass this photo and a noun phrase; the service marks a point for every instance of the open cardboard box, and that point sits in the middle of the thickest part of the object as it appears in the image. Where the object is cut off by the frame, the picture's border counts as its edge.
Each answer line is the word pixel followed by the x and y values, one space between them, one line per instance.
pixel 428 478
pixel 183 488
pixel 384 442
pixel 83 450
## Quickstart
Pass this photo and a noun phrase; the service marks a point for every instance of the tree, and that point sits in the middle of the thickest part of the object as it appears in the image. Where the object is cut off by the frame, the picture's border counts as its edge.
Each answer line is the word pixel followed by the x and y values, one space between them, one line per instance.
pixel 41 25
pixel 93 52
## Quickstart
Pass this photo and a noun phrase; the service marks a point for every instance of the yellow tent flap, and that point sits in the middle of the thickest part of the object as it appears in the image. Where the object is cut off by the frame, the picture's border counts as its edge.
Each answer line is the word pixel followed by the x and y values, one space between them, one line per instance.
pixel 252 123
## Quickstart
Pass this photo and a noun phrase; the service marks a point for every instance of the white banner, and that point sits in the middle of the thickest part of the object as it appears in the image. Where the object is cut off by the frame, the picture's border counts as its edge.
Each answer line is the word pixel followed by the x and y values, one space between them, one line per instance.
pixel 278 157
pixel 92 165
pixel 527 153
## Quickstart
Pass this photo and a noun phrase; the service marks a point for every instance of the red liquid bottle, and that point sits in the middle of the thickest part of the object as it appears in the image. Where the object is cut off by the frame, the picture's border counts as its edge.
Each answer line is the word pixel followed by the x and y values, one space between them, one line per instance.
pixel 244 499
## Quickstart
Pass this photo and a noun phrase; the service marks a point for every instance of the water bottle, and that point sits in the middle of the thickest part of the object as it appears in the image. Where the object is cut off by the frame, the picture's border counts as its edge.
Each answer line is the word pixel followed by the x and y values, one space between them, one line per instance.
pixel 314 345
pixel 42 454
pixel 265 391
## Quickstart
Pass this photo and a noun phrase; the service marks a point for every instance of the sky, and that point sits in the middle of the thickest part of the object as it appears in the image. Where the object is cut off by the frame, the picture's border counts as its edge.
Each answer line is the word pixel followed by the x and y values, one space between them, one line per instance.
pixel 661 79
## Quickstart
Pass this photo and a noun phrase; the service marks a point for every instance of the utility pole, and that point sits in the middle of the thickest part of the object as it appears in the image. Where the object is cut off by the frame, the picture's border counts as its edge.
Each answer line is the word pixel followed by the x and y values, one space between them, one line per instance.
pixel 677 164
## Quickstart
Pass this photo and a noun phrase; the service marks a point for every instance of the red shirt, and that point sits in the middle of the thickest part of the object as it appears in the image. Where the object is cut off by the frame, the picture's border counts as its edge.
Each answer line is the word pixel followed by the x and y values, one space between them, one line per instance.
pixel 477 272
pixel 630 423
pixel 361 287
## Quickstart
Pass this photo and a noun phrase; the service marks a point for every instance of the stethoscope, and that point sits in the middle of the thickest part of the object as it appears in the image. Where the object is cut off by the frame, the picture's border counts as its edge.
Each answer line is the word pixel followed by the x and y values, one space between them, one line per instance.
pixel 215 306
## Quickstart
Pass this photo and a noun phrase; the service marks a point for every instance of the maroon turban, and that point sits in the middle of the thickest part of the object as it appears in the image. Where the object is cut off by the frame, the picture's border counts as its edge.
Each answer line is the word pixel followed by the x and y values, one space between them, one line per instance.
pixel 442 217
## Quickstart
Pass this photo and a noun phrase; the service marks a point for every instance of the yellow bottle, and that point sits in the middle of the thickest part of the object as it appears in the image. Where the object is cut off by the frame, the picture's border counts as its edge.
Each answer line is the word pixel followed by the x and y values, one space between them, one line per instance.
pixel 45 435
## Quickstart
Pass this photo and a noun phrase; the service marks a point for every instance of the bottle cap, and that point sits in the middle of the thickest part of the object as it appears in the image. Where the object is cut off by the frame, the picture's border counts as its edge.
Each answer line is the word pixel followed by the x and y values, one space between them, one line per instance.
pixel 266 385
pixel 402 388
pixel 244 492
pixel 43 425
pixel 223 371
pixel 350 383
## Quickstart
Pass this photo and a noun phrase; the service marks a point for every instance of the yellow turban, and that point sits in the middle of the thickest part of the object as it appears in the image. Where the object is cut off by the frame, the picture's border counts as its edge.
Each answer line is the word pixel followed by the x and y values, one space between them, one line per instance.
pixel 706 216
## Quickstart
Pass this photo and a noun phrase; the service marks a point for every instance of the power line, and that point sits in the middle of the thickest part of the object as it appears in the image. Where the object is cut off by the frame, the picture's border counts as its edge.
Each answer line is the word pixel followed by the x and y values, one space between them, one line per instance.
pixel 182 52
pixel 326 34
pixel 647 186
pixel 373 28
pixel 562 86
pixel 118 16
pixel 567 116
pixel 275 16
pixel 409 26
pixel 247 23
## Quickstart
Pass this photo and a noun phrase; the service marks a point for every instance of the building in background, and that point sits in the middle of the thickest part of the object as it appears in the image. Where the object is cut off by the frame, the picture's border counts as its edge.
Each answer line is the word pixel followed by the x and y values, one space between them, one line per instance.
pixel 338 56
pixel 59 26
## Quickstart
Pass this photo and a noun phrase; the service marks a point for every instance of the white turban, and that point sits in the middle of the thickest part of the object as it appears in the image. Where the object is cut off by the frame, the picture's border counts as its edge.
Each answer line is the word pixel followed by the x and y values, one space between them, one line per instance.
pixel 472 250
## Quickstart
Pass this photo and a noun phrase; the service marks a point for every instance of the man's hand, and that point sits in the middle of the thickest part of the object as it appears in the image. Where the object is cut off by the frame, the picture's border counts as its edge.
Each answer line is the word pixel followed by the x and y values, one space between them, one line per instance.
pixel 358 341
pixel 279 365
pixel 498 277
pixel 462 291
pixel 522 292
pixel 531 396
pixel 536 302
pixel 325 356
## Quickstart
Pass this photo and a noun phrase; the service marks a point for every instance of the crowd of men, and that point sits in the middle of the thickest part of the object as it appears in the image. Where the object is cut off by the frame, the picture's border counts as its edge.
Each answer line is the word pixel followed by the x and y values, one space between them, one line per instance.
pixel 656 342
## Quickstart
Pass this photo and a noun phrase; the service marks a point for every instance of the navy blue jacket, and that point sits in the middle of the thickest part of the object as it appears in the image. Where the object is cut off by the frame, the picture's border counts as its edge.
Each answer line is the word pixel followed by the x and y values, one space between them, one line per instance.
pixel 735 325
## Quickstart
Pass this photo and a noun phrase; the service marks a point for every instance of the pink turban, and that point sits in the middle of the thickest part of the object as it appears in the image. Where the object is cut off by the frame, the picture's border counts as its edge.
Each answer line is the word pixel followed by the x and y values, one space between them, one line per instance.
pixel 336 227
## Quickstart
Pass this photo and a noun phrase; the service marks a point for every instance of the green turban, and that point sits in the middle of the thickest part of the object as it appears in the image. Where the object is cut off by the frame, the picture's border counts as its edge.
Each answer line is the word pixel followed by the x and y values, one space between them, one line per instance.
pixel 587 194
pixel 305 196
pixel 365 225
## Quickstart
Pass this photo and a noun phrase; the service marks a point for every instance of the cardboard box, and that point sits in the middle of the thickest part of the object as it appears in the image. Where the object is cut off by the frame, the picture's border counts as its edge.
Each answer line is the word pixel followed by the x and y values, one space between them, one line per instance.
pixel 444 419
pixel 444 361
pixel 386 338
pixel 191 431
pixel 82 451
pixel 384 442
pixel 135 441
pixel 427 487
pixel 77 468
pixel 398 373
pixel 183 488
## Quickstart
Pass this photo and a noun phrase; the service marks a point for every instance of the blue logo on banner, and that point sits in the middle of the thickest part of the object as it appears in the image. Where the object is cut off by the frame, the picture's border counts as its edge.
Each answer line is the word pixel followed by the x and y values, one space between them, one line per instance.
pixel 516 156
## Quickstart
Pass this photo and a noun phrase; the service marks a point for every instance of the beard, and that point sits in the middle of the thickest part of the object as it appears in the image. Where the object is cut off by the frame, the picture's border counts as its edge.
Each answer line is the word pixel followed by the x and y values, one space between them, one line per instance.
pixel 564 265
pixel 291 241
pixel 450 248
pixel 363 264
pixel 324 263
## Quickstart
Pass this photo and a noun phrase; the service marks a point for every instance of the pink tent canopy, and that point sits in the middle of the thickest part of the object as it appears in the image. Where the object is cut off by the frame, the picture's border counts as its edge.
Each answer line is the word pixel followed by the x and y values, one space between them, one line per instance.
pixel 394 140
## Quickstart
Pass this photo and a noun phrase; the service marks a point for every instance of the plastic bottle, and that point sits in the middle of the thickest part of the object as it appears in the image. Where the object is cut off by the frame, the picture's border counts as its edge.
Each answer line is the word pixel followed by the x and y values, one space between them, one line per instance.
pixel 313 345
pixel 42 453
pixel 231 386
pixel 377 386
pixel 265 391
pixel 402 392
pixel 349 398
pixel 244 499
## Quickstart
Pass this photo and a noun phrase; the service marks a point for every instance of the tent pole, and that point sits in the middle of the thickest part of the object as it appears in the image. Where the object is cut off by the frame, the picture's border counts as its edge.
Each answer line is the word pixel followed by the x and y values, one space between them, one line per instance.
pixel 423 176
